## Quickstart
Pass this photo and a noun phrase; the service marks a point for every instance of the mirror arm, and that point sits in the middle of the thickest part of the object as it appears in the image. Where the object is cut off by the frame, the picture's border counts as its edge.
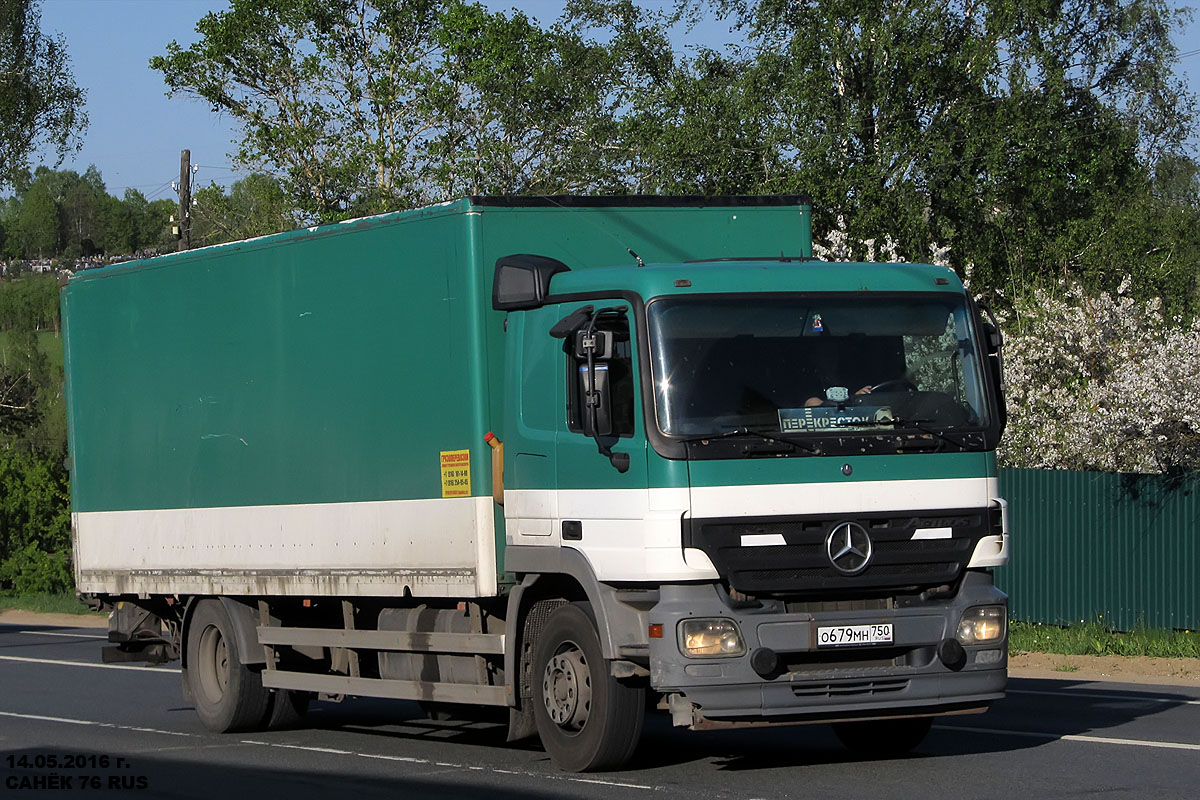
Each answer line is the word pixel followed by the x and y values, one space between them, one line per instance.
pixel 995 337
pixel 619 460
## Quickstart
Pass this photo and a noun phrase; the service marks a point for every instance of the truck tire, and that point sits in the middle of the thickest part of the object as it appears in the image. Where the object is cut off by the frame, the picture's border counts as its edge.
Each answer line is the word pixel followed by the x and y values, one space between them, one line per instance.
pixel 883 738
pixel 286 709
pixel 587 719
pixel 227 695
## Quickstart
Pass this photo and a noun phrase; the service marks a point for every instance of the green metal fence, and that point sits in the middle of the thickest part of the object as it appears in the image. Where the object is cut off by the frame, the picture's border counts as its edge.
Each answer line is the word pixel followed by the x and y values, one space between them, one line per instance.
pixel 1089 545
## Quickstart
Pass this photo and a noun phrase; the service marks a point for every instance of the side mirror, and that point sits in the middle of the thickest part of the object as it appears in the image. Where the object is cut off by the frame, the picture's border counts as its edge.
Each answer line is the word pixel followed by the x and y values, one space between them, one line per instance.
pixel 523 281
pixel 995 345
pixel 598 343
pixel 593 349
pixel 994 338
pixel 596 398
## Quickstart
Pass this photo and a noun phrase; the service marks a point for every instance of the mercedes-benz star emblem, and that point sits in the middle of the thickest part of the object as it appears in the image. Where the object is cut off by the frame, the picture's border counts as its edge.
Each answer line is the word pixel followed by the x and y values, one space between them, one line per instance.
pixel 849 548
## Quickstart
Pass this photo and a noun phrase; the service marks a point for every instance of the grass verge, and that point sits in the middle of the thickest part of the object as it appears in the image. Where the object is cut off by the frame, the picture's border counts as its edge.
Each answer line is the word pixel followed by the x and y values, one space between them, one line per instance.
pixel 1093 639
pixel 45 604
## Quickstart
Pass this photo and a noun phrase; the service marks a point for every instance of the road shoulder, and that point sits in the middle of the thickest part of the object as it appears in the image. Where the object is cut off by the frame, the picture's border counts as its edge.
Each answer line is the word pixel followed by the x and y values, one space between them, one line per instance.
pixel 17 617
pixel 1124 669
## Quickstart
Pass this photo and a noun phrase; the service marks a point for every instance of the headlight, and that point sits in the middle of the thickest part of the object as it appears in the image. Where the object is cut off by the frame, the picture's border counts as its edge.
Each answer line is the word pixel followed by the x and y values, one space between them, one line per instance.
pixel 710 637
pixel 982 624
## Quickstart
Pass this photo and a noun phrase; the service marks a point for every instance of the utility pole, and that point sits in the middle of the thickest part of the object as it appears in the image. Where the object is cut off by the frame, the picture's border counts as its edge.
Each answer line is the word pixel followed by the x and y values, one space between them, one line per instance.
pixel 185 200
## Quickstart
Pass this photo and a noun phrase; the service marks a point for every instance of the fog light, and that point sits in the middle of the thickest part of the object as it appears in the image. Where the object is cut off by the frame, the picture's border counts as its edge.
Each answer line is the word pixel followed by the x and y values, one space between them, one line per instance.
pixel 982 624
pixel 988 657
pixel 710 637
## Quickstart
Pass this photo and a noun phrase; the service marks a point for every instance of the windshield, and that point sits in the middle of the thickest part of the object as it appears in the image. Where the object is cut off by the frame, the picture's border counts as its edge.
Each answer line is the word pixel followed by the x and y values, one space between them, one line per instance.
pixel 814 364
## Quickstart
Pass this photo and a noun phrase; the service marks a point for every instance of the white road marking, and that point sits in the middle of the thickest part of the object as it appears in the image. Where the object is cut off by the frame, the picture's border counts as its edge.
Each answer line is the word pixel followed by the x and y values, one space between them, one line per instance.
pixel 42 718
pixel 67 635
pixel 408 759
pixel 955 728
pixel 310 749
pixel 70 721
pixel 610 783
pixel 1084 694
pixel 330 750
pixel 1072 737
pixel 163 670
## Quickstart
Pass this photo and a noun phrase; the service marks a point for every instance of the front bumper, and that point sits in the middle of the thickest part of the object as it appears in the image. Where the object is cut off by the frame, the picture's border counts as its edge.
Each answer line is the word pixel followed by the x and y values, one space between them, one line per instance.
pixel 814 684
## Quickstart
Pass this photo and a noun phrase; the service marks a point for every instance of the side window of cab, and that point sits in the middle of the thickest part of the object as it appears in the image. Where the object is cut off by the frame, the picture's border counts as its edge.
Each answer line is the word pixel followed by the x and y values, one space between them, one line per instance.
pixel 613 365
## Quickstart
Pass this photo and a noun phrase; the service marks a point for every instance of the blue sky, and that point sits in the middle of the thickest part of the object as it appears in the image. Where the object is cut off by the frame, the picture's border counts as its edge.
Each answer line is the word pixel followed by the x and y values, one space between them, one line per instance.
pixel 136 132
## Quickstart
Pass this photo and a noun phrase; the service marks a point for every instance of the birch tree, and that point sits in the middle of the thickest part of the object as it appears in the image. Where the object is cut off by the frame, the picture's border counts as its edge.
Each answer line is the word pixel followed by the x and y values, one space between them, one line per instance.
pixel 40 105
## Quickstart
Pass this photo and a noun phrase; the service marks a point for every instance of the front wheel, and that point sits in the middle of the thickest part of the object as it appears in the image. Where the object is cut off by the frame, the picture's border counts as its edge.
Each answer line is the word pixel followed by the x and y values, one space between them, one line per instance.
pixel 586 719
pixel 883 738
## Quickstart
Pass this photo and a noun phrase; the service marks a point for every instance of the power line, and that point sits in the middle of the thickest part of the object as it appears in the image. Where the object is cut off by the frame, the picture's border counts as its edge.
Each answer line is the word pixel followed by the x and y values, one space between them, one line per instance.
pixel 161 188
pixel 111 189
pixel 242 170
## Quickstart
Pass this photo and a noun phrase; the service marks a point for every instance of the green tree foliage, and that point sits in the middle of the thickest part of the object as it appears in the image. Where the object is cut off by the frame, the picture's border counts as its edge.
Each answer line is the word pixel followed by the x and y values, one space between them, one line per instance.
pixel 362 106
pixel 77 213
pixel 29 304
pixel 1031 139
pixel 134 225
pixel 40 105
pixel 35 523
pixel 1008 131
pixel 255 206
pixel 34 503
pixel 10 208
pixel 62 214
pixel 516 109
pixel 37 222
pixel 32 410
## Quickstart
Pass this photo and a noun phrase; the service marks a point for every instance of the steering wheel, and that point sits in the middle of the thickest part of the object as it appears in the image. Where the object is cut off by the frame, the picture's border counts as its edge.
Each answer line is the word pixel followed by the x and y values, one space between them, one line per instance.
pixel 897 385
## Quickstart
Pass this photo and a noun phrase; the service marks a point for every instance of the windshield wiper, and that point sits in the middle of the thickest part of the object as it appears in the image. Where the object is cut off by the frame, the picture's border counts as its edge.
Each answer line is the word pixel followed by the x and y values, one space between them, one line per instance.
pixel 898 422
pixel 766 437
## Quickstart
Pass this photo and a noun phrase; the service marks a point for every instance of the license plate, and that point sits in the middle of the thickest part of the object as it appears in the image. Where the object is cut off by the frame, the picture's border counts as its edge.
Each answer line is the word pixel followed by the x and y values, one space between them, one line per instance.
pixel 838 635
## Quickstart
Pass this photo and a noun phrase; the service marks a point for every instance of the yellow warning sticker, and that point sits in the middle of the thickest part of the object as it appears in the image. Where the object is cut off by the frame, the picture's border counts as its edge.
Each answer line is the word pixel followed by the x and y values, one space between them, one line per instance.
pixel 456 473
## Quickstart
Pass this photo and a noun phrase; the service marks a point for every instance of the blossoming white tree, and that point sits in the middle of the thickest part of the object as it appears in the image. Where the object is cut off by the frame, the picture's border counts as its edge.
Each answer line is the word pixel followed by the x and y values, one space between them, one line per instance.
pixel 1093 382
pixel 1100 383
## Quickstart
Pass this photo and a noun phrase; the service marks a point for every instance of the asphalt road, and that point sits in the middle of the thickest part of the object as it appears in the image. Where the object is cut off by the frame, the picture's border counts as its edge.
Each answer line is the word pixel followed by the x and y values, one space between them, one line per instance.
pixel 72 726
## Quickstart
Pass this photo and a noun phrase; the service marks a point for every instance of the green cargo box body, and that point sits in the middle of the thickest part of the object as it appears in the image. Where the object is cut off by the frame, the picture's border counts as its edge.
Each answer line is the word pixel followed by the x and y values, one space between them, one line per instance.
pixel 272 417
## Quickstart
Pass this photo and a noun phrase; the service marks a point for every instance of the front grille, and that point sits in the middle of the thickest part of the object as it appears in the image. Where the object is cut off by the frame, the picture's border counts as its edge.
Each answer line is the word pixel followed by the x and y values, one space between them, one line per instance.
pixel 839 606
pixel 851 689
pixel 801 564
pixel 848 659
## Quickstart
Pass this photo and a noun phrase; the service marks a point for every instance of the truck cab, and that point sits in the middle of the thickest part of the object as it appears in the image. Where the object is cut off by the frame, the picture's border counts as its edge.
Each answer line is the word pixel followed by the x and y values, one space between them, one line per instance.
pixel 775 479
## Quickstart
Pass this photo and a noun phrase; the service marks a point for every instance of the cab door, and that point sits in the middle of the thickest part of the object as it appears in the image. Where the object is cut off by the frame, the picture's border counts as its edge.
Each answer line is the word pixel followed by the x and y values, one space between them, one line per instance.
pixel 602 510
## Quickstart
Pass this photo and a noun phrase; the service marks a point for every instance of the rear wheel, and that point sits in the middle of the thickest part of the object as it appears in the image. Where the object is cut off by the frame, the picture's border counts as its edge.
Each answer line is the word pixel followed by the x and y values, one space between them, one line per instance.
pixel 586 719
pixel 227 695
pixel 286 709
pixel 883 738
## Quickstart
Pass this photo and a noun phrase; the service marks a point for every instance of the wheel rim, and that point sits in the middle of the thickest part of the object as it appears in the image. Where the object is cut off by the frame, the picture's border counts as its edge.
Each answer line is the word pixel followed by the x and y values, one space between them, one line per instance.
pixel 567 688
pixel 214 664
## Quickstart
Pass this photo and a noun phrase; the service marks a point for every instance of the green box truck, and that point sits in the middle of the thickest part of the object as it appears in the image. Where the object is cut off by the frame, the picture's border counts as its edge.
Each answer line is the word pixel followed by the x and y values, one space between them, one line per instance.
pixel 550 454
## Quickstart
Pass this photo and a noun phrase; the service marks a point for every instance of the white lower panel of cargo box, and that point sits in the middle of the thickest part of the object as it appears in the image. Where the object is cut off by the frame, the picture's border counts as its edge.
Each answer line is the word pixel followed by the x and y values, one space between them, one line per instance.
pixel 432 548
